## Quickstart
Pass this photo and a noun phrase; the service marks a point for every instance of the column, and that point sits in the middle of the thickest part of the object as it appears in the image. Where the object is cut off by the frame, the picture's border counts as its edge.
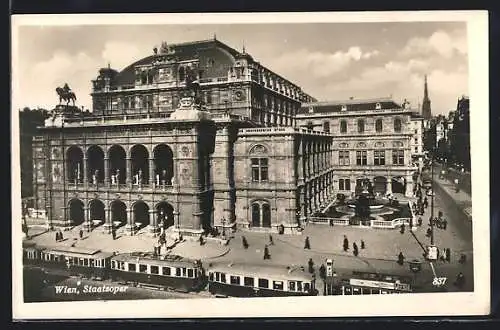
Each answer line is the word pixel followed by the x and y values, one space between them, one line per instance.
pixel 108 225
pixel 409 186
pixel 130 226
pixel 128 179
pixel 106 171
pixel 86 218
pixel 85 171
pixel 153 222
pixel 151 172
pixel 389 185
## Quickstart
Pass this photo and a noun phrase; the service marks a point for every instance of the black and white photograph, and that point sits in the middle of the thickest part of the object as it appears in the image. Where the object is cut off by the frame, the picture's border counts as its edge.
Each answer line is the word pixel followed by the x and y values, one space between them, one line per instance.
pixel 200 165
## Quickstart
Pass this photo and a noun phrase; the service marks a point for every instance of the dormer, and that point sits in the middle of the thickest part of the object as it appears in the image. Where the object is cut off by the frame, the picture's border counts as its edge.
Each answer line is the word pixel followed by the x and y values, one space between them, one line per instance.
pixel 378 106
pixel 343 108
pixel 311 110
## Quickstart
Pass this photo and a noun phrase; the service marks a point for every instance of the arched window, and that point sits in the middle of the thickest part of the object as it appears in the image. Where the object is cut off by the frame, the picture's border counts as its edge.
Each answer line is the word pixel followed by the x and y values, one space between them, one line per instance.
pixel 310 126
pixel 343 126
pixel 259 163
pixel 261 214
pixel 182 73
pixel 397 125
pixel 378 125
pixel 326 127
pixel 361 126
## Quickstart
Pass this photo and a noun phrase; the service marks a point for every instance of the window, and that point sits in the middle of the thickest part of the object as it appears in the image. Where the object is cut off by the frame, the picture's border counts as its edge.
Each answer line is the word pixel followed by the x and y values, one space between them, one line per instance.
pixel 155 270
pixel 361 126
pixel 278 285
pixel 366 291
pixel 299 286
pixel 234 280
pixel 344 157
pixel 326 127
pixel 291 286
pixel 113 264
pixel 211 277
pixel 416 149
pixel 307 287
pixel 177 272
pixel 397 125
pixel 248 281
pixel 131 267
pixel 166 271
pixel 378 125
pixel 344 184
pixel 143 268
pixel 361 157
pixel 343 126
pixel 379 157
pixel 85 262
pixel 356 291
pixel 222 278
pixel 398 157
pixel 190 272
pixel 259 169
pixel 263 283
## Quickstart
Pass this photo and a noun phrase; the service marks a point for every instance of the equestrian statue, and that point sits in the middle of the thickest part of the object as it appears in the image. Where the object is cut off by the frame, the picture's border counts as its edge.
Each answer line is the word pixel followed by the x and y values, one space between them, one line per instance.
pixel 65 93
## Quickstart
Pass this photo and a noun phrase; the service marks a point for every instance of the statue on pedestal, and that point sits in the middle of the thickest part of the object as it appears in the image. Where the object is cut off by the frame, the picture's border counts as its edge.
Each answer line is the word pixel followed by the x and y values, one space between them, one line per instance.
pixel 95 176
pixel 65 93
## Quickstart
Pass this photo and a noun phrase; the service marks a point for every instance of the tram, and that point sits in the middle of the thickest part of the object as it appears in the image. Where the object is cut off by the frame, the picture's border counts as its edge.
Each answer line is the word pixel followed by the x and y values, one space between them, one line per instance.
pixel 363 283
pixel 243 280
pixel 171 272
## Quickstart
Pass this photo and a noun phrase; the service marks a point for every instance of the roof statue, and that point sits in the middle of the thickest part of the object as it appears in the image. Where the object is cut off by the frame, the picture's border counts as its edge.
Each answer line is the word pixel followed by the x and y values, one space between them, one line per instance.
pixel 65 93
pixel 165 48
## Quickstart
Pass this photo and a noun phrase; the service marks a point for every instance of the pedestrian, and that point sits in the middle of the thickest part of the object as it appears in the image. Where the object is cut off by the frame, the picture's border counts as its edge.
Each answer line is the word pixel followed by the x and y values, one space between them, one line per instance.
pixel 310 264
pixel 419 221
pixel 346 244
pixel 429 232
pixel 362 244
pixel 271 240
pixel 402 230
pixel 81 233
pixel 61 237
pixel 448 255
pixel 445 224
pixel 355 250
pixel 401 258
pixel 201 240
pixel 460 280
pixel 244 242
pixel 266 253
pixel 57 236
pixel 322 271
pixel 307 244
pixel 113 233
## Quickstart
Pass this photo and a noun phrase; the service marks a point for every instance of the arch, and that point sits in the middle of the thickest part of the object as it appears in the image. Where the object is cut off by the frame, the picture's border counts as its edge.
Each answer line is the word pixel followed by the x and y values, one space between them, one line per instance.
pixel 139 157
pixel 74 164
pixel 165 214
pixel 95 160
pixel 361 145
pixel 141 213
pixel 261 214
pixel 361 125
pixel 266 215
pixel 380 184
pixel 255 215
pixel 118 163
pixel 398 184
pixel 397 125
pixel 118 212
pixel 397 144
pixel 164 163
pixel 343 145
pixel 343 126
pixel 97 210
pixel 76 211
pixel 378 125
pixel 258 149
pixel 379 144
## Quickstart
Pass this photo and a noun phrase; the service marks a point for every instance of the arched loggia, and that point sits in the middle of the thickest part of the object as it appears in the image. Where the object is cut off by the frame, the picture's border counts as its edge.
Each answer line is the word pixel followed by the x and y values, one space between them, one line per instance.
pixel 97 212
pixel 117 164
pixel 141 214
pixel 164 163
pixel 95 167
pixel 118 213
pixel 139 156
pixel 76 211
pixel 165 214
pixel 74 164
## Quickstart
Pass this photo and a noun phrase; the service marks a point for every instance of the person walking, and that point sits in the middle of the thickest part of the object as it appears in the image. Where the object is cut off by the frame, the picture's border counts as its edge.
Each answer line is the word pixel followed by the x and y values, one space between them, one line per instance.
pixel 310 264
pixel 307 244
pixel 266 253
pixel 271 240
pixel 113 233
pixel 448 255
pixel 61 237
pixel 244 242
pixel 402 230
pixel 57 236
pixel 355 250
pixel 81 233
pixel 201 240
pixel 445 224
pixel 419 221
pixel 401 258
pixel 346 244
pixel 362 244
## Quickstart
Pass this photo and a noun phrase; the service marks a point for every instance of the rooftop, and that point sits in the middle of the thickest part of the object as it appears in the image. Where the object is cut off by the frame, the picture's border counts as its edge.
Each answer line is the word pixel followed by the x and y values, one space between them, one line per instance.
pixel 383 103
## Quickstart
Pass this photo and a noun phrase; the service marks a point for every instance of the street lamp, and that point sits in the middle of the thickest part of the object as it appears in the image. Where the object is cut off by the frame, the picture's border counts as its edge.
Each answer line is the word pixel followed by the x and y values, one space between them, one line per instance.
pixel 432 199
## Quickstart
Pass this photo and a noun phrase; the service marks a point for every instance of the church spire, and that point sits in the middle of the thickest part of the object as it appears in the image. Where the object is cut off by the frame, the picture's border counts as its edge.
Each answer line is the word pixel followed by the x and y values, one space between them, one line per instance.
pixel 426 102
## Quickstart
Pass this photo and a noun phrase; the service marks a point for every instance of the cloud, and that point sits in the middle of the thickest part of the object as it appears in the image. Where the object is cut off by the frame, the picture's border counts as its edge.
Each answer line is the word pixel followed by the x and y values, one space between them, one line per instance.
pixel 440 42
pixel 320 64
pixel 121 54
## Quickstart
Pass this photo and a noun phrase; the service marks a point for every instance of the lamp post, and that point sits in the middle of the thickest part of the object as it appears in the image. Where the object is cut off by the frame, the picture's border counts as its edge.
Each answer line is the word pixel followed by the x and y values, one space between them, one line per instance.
pixel 432 199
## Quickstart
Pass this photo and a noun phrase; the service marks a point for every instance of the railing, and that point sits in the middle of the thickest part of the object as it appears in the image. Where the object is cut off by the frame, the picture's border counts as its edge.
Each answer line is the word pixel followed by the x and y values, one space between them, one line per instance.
pixel 116 187
pixel 37 213
pixel 389 224
pixel 327 221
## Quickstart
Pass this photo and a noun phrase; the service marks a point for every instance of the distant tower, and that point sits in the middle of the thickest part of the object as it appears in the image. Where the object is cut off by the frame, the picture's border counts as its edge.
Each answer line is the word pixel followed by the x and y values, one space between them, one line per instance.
pixel 426 102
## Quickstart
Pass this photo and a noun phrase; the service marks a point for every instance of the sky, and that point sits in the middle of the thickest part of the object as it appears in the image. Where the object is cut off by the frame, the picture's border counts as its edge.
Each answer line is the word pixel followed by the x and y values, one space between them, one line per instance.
pixel 329 61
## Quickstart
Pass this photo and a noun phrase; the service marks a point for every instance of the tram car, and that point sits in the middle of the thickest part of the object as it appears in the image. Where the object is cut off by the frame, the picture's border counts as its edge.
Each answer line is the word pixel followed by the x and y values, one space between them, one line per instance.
pixel 243 280
pixel 31 254
pixel 165 272
pixel 363 283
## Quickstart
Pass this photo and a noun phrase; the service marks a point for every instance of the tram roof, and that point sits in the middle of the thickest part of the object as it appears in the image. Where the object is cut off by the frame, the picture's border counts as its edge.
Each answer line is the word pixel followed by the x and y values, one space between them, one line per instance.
pixel 150 259
pixel 80 252
pixel 283 272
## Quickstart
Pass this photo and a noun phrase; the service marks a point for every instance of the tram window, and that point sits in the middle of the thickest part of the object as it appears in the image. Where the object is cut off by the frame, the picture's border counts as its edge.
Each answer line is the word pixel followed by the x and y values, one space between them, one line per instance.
pixel 131 268
pixel 155 270
pixel 211 276
pixel 375 291
pixel 234 280
pixel 365 291
pixel 222 277
pixel 299 286
pixel 291 286
pixel 263 283
pixel 166 271
pixel 347 290
pixel 217 276
pixel 122 265
pixel 307 287
pixel 384 292
pixel 356 291
pixel 248 281
pixel 190 272
pixel 184 272
pixel 143 268
pixel 85 262
pixel 177 272
pixel 91 263
pixel 278 285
